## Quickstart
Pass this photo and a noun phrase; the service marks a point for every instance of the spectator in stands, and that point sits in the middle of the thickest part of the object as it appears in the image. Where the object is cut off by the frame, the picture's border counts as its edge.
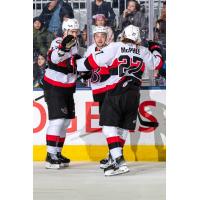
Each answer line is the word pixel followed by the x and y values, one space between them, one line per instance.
pixel 66 11
pixel 65 17
pixel 100 20
pixel 53 14
pixel 47 12
pixel 39 70
pixel 133 15
pixel 42 38
pixel 160 37
pixel 83 38
pixel 160 30
pixel 103 7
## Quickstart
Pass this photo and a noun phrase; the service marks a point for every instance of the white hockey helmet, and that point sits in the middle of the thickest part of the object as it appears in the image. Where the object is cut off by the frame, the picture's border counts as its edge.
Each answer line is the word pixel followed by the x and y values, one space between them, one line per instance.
pixel 70 24
pixel 100 29
pixel 133 33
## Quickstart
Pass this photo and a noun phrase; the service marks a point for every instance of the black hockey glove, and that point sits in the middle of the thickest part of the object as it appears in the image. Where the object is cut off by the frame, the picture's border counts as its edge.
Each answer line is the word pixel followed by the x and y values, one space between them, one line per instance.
pixel 71 63
pixel 154 46
pixel 85 75
pixel 67 43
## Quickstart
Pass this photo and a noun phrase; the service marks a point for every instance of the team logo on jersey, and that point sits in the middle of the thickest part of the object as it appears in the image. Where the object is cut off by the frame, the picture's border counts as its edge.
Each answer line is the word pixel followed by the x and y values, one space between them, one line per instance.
pixel 95 78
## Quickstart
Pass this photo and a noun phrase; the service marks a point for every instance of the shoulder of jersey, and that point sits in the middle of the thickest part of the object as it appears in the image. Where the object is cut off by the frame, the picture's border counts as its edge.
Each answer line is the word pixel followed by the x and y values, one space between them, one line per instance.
pixel 115 44
pixel 91 47
pixel 55 43
pixel 143 49
pixel 111 45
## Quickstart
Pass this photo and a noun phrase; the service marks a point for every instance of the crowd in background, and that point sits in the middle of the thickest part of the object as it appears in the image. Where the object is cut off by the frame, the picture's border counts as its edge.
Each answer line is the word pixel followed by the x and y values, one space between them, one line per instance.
pixel 47 26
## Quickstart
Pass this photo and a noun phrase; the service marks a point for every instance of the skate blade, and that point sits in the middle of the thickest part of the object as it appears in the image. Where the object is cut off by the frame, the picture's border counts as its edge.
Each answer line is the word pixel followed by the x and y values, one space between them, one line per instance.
pixel 52 166
pixel 121 170
pixel 64 165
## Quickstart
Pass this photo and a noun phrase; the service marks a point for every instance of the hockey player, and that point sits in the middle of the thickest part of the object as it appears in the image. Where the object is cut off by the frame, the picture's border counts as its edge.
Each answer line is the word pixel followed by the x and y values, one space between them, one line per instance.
pixel 59 86
pixel 126 60
pixel 99 76
pixel 99 80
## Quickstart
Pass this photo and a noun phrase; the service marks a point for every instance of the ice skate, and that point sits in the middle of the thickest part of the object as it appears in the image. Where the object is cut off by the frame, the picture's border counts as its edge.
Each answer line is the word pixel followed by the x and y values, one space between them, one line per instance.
pixel 106 162
pixel 64 160
pixel 52 161
pixel 117 167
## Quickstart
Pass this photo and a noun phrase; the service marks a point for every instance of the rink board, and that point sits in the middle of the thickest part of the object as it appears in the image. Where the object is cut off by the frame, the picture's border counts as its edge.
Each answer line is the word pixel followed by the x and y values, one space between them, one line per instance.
pixel 85 141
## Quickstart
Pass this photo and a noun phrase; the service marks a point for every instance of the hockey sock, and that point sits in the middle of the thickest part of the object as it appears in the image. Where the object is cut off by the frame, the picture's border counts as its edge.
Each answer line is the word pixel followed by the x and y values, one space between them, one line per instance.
pixel 53 134
pixel 123 135
pixel 63 135
pixel 60 144
pixel 113 141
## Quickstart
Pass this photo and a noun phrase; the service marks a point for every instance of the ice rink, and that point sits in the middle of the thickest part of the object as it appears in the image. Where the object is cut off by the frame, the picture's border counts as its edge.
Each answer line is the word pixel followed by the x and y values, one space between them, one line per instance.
pixel 85 181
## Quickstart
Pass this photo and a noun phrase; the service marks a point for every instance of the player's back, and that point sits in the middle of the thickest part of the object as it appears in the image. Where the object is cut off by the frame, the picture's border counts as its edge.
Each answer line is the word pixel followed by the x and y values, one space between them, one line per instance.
pixel 126 60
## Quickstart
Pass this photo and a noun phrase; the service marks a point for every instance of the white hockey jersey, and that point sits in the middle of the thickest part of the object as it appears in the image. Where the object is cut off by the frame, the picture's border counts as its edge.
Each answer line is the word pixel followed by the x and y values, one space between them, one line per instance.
pixel 125 62
pixel 100 76
pixel 56 74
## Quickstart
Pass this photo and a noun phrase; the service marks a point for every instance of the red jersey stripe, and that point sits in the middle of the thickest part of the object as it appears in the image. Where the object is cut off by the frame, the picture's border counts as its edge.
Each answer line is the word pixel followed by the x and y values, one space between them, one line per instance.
pixel 59 84
pixel 110 87
pixel 115 63
pixel 62 64
pixel 100 90
pixel 106 88
pixel 92 62
pixel 104 71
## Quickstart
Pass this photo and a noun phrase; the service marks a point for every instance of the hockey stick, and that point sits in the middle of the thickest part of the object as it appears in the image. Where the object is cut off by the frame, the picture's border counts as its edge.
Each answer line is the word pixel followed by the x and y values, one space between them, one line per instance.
pixel 38 98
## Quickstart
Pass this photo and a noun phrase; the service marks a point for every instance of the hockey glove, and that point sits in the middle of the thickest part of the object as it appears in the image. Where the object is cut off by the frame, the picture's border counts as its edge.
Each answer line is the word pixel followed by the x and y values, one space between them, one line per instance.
pixel 67 43
pixel 154 46
pixel 71 63
pixel 85 75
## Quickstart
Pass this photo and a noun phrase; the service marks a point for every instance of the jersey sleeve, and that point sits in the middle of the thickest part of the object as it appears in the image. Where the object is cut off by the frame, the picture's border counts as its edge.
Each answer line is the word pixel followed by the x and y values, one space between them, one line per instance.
pixel 153 61
pixel 101 58
pixel 57 55
pixel 81 62
pixel 81 65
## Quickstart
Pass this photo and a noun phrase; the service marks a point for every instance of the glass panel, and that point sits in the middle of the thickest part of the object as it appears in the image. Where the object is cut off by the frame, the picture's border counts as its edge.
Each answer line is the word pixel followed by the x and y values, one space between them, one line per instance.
pixel 38 6
pixel 43 5
pixel 115 4
pixel 75 5
pixel 82 5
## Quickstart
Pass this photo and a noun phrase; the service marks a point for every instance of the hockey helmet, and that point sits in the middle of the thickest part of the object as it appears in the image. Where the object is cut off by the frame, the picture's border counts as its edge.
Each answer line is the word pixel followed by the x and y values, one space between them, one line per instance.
pixel 70 24
pixel 133 33
pixel 99 29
